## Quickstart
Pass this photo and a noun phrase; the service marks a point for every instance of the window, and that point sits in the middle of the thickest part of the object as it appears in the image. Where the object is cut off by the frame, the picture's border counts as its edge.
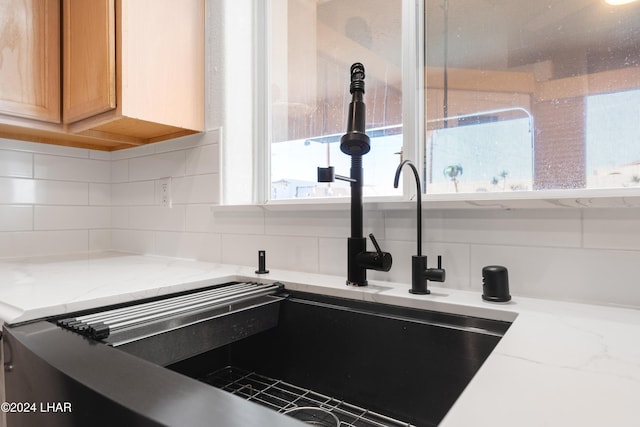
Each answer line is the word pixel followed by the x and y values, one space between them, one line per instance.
pixel 572 68
pixel 613 132
pixel 502 96
pixel 312 46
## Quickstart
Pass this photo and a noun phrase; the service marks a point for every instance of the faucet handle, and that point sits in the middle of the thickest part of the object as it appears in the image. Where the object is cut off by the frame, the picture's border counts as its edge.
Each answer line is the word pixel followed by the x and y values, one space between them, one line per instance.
pixel 378 260
pixel 326 174
pixel 375 244
pixel 436 274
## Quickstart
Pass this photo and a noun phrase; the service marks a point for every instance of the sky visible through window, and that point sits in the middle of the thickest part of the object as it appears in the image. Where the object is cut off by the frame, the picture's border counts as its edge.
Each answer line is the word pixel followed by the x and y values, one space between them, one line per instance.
pixel 613 130
pixel 494 156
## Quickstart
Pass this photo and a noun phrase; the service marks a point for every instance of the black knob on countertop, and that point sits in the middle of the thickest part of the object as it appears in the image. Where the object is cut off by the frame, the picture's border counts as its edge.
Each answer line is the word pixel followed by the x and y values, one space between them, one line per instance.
pixel 262 263
pixel 495 284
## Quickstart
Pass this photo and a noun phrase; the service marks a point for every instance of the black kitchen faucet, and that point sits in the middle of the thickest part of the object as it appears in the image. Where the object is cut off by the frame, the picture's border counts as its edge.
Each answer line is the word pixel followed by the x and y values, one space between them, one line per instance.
pixel 355 143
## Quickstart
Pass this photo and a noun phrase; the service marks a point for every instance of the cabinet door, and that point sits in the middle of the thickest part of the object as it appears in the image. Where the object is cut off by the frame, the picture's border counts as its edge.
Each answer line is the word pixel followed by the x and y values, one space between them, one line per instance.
pixel 30 59
pixel 89 76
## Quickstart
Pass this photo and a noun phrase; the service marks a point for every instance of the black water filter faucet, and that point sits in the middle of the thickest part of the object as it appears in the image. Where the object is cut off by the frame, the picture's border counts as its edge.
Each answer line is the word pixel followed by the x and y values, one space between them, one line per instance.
pixel 420 274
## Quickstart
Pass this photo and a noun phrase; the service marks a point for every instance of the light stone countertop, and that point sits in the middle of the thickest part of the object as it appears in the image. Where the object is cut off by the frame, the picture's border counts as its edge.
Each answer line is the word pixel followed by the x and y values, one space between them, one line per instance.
pixel 559 364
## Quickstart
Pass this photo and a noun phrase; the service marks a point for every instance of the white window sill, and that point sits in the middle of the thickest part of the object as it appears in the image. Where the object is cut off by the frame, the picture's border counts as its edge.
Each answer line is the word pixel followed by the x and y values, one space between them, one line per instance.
pixel 548 199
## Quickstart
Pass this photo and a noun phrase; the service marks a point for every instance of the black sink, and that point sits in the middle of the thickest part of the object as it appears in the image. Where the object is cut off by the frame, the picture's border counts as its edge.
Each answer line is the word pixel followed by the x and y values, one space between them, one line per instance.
pixel 370 364
pixel 407 364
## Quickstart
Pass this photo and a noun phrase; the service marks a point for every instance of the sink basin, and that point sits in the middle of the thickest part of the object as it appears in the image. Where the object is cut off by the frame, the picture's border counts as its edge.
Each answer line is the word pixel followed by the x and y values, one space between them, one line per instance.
pixel 199 356
pixel 407 364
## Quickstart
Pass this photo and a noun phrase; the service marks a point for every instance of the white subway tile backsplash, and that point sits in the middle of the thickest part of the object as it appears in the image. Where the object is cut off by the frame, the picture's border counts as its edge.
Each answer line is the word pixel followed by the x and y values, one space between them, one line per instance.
pixel 199 218
pixel 249 221
pixel 293 253
pixel 612 228
pixel 332 256
pixel 16 218
pixel 200 246
pixel 37 243
pixel 61 193
pixel 56 200
pixel 544 227
pixel 196 189
pixel 119 171
pixel 455 261
pixel 71 217
pixel 594 276
pixel 133 193
pixel 16 190
pixel 157 218
pixel 401 225
pixel 71 169
pixel 202 160
pixel 332 223
pixel 16 164
pixel 99 194
pixel 102 200
pixel 31 191
pixel 156 166
pixel 120 217
pixel 99 240
pixel 136 241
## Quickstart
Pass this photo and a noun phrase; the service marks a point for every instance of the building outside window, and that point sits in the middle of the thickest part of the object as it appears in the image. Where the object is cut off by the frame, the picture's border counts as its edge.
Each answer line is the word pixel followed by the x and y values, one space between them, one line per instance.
pixel 570 65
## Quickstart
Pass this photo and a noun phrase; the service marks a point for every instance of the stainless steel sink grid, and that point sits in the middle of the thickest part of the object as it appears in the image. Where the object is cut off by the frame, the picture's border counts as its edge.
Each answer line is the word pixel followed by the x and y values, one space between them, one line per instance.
pixel 282 396
pixel 168 330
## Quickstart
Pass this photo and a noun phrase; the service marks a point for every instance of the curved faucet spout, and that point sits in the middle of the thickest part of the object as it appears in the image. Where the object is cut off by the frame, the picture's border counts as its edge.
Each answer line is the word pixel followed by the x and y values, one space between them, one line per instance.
pixel 419 191
pixel 420 274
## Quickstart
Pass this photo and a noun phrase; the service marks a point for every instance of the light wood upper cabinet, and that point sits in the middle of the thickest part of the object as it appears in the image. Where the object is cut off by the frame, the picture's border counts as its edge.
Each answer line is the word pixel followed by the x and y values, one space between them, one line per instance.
pixel 159 74
pixel 133 71
pixel 89 58
pixel 30 59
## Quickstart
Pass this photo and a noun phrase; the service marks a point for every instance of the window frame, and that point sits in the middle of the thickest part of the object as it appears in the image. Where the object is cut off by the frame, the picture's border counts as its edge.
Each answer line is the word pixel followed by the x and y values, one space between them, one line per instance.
pixel 412 40
pixel 413 114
